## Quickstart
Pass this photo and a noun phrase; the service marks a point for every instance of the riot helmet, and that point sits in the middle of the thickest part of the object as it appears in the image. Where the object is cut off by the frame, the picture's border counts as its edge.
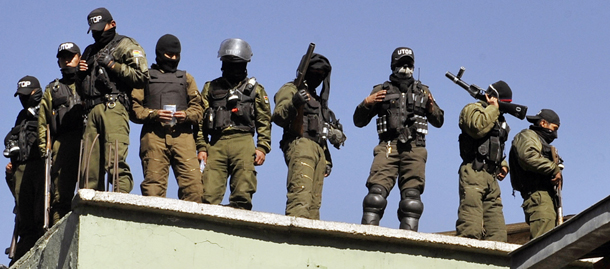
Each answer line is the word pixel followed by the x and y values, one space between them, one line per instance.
pixel 234 50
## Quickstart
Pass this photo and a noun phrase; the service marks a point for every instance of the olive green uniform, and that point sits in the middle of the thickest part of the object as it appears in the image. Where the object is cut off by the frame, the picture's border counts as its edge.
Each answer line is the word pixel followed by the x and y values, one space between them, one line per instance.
pixel 480 213
pixel 162 146
pixel 231 151
pixel 110 120
pixel 306 159
pixel 393 158
pixel 65 149
pixel 534 167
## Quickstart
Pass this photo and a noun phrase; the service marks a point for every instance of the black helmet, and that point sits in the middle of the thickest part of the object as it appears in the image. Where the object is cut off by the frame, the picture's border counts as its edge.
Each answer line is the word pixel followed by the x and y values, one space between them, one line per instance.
pixel 402 55
pixel 234 50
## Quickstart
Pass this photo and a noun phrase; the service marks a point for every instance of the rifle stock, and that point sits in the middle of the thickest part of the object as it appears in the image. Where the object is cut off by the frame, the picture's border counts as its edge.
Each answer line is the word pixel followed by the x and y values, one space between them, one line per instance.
pixel 475 91
pixel 297 124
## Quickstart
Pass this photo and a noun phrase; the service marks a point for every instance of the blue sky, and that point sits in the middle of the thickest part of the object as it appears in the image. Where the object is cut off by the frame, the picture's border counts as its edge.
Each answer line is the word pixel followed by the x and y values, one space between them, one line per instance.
pixel 553 54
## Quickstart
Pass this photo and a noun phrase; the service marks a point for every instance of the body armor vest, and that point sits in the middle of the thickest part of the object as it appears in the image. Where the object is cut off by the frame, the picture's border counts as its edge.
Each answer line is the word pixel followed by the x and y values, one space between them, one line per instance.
pixel 166 89
pixel 314 126
pixel 99 83
pixel 27 136
pixel 403 114
pixel 487 152
pixel 67 109
pixel 231 107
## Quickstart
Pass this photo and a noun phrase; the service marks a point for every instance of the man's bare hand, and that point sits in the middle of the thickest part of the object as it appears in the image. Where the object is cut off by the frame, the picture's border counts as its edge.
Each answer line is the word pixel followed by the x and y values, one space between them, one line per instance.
pixel 375 98
pixel 259 157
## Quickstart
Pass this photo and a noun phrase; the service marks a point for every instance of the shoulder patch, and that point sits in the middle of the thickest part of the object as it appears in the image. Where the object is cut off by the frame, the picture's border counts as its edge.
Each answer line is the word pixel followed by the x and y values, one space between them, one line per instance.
pixel 137 53
pixel 266 99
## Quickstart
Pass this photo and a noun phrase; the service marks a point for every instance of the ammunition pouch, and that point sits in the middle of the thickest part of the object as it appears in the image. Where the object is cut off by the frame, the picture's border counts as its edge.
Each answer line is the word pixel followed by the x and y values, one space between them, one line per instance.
pixel 403 115
pixel 28 135
pixel 486 153
pixel 230 108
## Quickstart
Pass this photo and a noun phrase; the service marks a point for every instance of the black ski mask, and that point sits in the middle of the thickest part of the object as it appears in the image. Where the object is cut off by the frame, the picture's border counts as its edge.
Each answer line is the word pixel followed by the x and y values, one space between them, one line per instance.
pixel 318 71
pixel 234 72
pixel 69 73
pixel 103 37
pixel 168 44
pixel 547 134
pixel 31 100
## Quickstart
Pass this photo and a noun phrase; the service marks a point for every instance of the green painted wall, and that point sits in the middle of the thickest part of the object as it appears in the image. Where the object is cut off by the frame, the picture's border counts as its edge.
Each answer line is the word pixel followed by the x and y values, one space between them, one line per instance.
pixel 139 240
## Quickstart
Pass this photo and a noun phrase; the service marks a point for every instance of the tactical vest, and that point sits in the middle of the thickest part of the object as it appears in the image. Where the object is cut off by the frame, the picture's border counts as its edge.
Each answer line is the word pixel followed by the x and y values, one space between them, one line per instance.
pixel 403 114
pixel 67 109
pixel 27 137
pixel 100 85
pixel 487 152
pixel 230 107
pixel 313 121
pixel 166 89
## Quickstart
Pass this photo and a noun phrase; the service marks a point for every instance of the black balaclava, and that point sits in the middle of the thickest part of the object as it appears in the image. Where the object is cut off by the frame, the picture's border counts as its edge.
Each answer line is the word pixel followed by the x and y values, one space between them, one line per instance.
pixel 234 72
pixel 171 45
pixel 31 100
pixel 314 79
pixel 547 134
pixel 69 73
pixel 103 37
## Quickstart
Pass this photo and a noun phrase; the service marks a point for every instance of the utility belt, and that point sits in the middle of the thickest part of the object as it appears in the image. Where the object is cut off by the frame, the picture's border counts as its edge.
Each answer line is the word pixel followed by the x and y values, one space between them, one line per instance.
pixel 217 135
pixel 484 165
pixel 389 127
pixel 110 99
pixel 407 134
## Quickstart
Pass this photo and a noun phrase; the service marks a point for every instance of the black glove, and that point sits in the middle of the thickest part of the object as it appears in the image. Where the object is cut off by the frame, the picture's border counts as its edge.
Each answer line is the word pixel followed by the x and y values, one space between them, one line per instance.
pixel 329 169
pixel 104 58
pixel 299 98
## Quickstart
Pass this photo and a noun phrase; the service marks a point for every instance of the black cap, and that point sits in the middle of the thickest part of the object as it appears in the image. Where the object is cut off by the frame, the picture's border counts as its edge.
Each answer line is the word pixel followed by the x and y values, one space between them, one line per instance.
pixel 545 114
pixel 505 94
pixel 98 18
pixel 68 47
pixel 402 55
pixel 26 85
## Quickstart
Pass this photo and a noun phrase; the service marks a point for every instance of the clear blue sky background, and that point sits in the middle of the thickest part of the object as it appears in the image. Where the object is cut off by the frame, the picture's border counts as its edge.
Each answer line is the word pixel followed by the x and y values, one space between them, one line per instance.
pixel 553 54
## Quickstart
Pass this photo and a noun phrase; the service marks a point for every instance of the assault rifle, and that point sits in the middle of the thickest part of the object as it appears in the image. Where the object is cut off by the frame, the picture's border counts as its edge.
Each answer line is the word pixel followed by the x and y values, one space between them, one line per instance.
pixel 558 203
pixel 48 162
pixel 299 82
pixel 475 91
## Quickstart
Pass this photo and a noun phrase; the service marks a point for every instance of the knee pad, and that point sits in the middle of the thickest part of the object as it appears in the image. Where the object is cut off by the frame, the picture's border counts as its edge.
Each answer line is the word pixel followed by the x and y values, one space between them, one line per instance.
pixel 374 205
pixel 410 209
